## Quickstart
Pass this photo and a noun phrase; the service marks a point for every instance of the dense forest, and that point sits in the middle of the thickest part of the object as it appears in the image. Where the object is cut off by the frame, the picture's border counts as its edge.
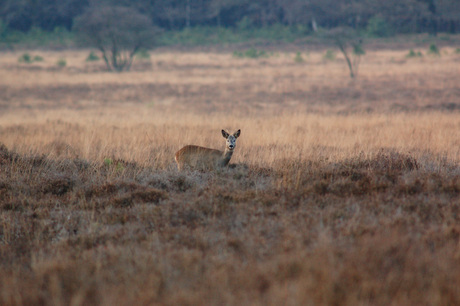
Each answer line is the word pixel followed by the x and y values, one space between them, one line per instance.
pixel 401 16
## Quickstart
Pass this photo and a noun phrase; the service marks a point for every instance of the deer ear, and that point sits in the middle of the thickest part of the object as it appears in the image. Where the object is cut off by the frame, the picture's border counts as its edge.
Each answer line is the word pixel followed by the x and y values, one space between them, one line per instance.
pixel 225 134
pixel 237 134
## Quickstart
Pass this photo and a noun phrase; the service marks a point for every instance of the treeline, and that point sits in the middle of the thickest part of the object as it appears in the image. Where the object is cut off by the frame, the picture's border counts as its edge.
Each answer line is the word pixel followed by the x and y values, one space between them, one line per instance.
pixel 393 16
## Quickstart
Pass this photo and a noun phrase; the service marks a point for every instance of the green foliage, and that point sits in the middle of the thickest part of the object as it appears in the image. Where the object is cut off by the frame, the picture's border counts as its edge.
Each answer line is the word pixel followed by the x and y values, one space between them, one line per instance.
pixel 198 36
pixel 251 53
pixel 208 35
pixel 358 49
pixel 28 59
pixel 433 50
pixel 117 31
pixel 92 57
pixel 3 29
pixel 143 54
pixel 457 51
pixel 413 54
pixel 244 24
pixel 25 58
pixel 275 32
pixel 108 162
pixel 36 37
pixel 61 62
pixel 329 55
pixel 298 58
pixel 378 27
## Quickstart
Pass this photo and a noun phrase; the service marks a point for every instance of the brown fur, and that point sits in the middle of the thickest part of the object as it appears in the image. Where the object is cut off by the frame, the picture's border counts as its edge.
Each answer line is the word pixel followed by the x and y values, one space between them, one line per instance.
pixel 202 158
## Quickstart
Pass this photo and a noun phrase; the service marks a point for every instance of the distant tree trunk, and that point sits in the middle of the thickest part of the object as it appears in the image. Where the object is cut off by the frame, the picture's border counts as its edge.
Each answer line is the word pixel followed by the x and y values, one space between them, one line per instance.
pixel 106 59
pixel 344 51
pixel 314 25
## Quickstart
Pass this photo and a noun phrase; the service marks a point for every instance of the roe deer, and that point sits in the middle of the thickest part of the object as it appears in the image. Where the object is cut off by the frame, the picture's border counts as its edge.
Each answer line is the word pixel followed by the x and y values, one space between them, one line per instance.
pixel 204 158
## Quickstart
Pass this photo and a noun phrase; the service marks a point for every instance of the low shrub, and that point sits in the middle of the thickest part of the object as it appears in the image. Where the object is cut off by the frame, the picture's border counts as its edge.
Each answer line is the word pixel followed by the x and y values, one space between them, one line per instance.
pixel 251 53
pixel 61 62
pixel 92 57
pixel 25 58
pixel 298 58
pixel 28 59
pixel 413 54
pixel 329 55
pixel 434 50
pixel 143 54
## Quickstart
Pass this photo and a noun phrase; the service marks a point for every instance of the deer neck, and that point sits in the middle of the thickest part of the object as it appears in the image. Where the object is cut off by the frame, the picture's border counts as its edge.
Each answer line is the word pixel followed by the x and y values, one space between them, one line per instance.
pixel 226 156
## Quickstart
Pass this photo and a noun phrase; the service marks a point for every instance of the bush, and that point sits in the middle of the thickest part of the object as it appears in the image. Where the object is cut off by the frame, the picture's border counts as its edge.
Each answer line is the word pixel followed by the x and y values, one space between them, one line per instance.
pixel 358 50
pixel 298 58
pixel 28 59
pixel 61 62
pixel 433 50
pixel 329 55
pixel 92 57
pixel 378 27
pixel 143 54
pixel 413 54
pixel 25 58
pixel 251 53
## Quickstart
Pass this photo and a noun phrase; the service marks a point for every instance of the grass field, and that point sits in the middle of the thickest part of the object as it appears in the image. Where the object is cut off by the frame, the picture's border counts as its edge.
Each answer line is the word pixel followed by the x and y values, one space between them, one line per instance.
pixel 340 191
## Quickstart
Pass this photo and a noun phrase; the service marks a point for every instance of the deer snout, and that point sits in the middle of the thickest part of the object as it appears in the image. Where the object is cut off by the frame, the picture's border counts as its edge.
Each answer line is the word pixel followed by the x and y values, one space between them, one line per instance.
pixel 231 147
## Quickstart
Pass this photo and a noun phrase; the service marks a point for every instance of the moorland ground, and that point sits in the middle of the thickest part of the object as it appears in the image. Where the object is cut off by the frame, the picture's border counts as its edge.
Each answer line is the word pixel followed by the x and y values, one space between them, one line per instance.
pixel 342 192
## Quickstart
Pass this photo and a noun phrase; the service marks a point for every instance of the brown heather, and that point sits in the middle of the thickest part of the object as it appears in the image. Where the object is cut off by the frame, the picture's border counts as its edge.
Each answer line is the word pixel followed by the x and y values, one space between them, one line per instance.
pixel 339 192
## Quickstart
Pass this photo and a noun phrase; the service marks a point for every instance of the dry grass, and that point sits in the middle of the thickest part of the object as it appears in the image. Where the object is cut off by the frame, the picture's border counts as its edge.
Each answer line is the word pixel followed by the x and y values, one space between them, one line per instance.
pixel 340 192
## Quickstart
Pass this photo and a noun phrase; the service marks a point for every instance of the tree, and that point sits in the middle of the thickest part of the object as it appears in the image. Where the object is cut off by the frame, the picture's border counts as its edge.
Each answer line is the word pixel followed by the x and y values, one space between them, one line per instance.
pixel 118 32
pixel 350 44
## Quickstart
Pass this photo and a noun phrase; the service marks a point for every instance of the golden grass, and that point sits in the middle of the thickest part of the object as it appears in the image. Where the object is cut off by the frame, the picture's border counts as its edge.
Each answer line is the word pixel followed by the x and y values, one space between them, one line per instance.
pixel 340 191
pixel 138 137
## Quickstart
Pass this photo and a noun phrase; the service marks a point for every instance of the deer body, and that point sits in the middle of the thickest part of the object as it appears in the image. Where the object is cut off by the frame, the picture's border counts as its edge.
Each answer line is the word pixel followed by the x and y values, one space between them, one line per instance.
pixel 197 157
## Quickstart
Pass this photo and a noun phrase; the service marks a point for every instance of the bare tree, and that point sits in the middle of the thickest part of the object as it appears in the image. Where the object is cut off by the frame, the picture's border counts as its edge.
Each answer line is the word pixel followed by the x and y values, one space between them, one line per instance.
pixel 118 32
pixel 350 44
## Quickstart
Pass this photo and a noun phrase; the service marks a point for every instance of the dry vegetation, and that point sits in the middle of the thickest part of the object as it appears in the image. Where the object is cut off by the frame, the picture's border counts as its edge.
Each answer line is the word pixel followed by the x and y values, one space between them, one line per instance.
pixel 340 192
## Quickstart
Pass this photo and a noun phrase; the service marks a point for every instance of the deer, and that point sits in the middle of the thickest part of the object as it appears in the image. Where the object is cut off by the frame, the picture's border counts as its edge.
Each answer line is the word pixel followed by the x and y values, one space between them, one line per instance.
pixel 197 157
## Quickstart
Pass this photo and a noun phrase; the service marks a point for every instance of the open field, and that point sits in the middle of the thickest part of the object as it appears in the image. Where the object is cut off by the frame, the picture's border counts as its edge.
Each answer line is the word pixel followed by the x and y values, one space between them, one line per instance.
pixel 341 192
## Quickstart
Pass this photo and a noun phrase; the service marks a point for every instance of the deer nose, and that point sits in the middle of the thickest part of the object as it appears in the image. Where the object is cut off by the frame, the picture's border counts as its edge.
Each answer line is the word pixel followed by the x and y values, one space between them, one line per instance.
pixel 231 146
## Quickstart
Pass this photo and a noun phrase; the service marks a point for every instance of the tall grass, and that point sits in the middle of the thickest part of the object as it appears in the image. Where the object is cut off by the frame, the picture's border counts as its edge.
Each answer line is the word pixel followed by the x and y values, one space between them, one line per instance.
pixel 338 192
